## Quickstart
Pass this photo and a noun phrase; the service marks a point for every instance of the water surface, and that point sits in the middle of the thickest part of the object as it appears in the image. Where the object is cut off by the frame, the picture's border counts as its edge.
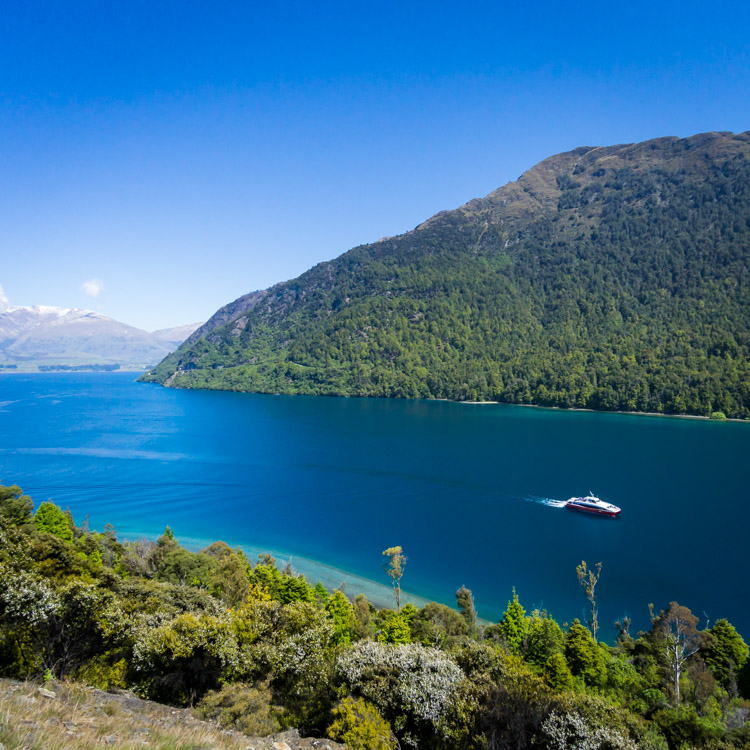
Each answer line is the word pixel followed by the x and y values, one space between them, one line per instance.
pixel 468 491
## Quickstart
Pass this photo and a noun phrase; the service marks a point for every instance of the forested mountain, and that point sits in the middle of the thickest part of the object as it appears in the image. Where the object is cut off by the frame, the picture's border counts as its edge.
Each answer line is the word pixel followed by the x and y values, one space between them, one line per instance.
pixel 607 278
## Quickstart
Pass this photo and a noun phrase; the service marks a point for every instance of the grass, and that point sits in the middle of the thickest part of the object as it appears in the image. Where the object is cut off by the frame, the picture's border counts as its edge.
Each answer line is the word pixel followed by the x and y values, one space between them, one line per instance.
pixel 82 718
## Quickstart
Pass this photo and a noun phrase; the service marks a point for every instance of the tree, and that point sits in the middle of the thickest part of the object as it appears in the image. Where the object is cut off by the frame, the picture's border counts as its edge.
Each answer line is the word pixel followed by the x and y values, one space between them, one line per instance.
pixel 395 629
pixel 49 519
pixel 543 639
pixel 342 614
pixel 584 657
pixel 435 624
pixel 363 612
pixel 587 579
pixel 726 654
pixel 558 674
pixel 14 505
pixel 514 625
pixel 465 601
pixel 228 576
pixel 676 638
pixel 321 594
pixel 394 565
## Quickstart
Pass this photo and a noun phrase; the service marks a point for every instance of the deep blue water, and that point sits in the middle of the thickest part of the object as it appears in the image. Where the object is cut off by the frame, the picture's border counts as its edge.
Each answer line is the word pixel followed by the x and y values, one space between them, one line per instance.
pixel 460 487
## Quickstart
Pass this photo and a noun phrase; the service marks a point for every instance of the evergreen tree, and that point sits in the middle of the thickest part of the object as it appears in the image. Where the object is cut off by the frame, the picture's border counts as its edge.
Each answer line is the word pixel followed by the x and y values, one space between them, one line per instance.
pixel 584 657
pixel 727 653
pixel 558 674
pixel 514 625
pixel 50 519
pixel 395 629
pixel 342 614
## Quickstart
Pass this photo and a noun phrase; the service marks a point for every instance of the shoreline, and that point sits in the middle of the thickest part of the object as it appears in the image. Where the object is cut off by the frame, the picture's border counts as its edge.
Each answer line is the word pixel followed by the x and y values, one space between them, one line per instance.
pixel 378 594
pixel 600 411
pixel 128 370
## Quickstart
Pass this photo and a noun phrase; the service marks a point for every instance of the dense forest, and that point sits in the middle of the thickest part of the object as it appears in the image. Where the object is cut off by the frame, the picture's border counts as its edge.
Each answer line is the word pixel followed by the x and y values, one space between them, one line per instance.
pixel 605 278
pixel 259 649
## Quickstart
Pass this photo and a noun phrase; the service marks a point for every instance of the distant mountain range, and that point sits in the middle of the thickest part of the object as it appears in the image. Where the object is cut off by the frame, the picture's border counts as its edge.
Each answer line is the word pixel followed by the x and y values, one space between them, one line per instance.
pixel 612 278
pixel 43 334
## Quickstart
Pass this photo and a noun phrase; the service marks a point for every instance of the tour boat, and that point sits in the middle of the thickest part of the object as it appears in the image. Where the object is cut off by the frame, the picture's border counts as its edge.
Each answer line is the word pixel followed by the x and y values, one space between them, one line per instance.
pixel 592 504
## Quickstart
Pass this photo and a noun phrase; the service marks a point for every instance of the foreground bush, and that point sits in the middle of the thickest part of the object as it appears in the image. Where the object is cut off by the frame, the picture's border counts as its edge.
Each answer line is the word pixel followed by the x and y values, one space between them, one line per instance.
pixel 358 724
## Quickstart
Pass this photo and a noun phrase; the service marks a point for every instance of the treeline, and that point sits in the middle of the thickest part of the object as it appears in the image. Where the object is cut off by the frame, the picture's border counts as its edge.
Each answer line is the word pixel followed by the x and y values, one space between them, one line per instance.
pixel 622 288
pixel 78 368
pixel 260 648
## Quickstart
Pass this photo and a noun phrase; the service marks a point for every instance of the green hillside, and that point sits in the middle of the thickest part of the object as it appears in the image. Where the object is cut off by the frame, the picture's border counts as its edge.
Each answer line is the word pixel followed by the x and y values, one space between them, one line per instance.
pixel 606 278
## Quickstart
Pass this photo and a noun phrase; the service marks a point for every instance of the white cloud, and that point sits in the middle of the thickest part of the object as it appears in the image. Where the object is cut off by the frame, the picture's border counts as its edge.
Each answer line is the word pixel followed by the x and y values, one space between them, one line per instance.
pixel 92 287
pixel 3 300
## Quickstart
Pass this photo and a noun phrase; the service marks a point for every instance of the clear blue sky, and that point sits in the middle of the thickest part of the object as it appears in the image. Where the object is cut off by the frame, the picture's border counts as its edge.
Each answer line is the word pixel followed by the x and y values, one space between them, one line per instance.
pixel 185 153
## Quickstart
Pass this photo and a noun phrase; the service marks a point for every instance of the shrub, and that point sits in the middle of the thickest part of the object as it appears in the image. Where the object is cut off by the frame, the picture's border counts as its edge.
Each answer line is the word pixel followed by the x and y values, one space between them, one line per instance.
pixel 412 686
pixel 241 706
pixel 358 724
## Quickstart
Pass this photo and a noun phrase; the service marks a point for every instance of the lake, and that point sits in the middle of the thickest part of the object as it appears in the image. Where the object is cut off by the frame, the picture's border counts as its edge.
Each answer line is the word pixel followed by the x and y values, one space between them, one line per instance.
pixel 467 490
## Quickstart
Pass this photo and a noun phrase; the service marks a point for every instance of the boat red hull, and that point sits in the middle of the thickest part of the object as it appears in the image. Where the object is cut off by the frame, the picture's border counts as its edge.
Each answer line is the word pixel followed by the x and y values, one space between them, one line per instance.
pixel 595 511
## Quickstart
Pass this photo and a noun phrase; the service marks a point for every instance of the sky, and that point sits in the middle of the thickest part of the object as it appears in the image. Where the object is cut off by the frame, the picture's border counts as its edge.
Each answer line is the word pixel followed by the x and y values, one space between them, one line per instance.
pixel 159 159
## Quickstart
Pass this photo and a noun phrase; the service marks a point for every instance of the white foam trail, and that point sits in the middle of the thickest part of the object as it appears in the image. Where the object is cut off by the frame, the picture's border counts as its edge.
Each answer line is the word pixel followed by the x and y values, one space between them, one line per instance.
pixel 550 502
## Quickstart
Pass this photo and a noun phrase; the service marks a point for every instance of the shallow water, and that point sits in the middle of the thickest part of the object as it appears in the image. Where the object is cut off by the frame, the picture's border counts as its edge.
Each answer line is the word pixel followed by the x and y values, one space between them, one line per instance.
pixel 472 493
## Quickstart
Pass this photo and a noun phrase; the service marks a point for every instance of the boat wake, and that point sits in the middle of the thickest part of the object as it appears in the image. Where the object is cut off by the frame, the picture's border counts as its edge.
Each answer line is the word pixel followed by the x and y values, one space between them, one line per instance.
pixel 548 501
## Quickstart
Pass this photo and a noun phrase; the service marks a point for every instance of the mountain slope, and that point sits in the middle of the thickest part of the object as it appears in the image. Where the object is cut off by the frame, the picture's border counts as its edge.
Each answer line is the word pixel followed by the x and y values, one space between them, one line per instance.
pixel 607 278
pixel 70 336
pixel 173 337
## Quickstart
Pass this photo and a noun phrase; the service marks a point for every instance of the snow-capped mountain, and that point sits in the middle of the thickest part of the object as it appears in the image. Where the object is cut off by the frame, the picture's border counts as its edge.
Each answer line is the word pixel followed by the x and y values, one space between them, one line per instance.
pixel 71 336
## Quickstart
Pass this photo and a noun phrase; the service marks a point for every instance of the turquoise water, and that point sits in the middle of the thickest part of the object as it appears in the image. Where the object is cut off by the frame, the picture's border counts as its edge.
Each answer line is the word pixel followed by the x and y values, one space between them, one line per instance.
pixel 468 491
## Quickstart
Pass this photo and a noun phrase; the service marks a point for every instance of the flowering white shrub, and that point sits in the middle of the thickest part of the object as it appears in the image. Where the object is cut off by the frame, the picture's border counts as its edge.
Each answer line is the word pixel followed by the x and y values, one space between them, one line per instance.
pixel 570 731
pixel 25 598
pixel 410 684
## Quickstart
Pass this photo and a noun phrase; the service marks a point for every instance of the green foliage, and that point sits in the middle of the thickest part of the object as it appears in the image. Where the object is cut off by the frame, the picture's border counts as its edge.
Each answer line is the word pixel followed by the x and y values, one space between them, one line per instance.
pixel 15 507
pixel 557 673
pixel 268 651
pixel 514 625
pixel 363 612
pixel 584 657
pixel 358 724
pixel 465 602
pixel 395 629
pixel 229 575
pixel 49 519
pixel 685 729
pixel 184 656
pixel 321 594
pixel 726 653
pixel 544 638
pixel 342 614
pixel 619 287
pixel 438 625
